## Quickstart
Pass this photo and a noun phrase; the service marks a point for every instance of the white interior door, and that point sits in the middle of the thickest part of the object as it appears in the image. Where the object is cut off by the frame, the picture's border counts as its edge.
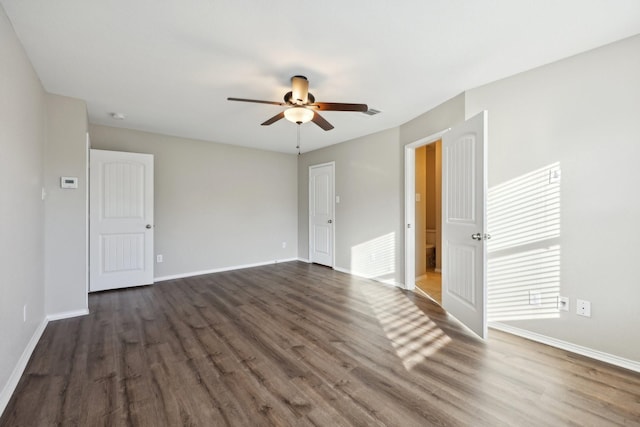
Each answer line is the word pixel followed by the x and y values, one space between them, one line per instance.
pixel 121 220
pixel 464 293
pixel 321 213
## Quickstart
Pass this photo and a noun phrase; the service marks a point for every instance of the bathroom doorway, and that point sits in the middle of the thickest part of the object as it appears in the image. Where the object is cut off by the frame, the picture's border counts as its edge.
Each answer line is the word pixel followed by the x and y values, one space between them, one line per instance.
pixel 428 212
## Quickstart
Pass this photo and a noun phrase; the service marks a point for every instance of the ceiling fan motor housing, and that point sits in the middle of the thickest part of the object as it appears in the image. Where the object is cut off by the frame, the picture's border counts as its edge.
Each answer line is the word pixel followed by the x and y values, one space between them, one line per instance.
pixel 300 90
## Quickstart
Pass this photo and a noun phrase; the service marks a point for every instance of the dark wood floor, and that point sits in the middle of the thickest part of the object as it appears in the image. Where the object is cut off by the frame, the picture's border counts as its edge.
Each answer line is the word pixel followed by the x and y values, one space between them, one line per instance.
pixel 298 344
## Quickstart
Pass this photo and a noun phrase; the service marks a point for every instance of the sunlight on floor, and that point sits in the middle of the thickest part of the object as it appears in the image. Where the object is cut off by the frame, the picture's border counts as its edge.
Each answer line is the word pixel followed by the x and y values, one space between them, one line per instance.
pixel 412 334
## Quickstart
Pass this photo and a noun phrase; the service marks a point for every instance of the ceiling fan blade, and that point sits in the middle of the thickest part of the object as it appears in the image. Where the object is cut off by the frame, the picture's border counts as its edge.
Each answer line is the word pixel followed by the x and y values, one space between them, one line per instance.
pixel 320 121
pixel 338 106
pixel 299 89
pixel 257 101
pixel 274 119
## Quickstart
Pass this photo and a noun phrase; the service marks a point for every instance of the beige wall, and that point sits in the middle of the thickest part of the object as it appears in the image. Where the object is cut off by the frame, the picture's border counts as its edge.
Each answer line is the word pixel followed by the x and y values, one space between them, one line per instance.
pixel 22 142
pixel 216 206
pixel 438 201
pixel 422 209
pixel 65 209
pixel 582 112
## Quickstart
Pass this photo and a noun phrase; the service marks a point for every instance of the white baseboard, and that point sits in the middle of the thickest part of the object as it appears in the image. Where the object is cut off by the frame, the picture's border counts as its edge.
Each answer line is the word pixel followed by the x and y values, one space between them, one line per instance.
pixel 219 270
pixel 12 383
pixel 14 378
pixel 67 314
pixel 564 345
pixel 308 261
pixel 389 282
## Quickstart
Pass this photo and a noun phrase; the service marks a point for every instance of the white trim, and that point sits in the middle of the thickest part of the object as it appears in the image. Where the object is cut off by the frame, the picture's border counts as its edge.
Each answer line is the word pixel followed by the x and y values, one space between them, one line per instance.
pixel 220 270
pixel 564 345
pixel 87 219
pixel 14 378
pixel 389 282
pixel 409 205
pixel 308 261
pixel 67 314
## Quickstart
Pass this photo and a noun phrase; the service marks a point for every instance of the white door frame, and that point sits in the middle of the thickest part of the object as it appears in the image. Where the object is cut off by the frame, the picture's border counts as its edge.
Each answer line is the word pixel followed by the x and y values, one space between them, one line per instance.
pixel 87 229
pixel 410 206
pixel 333 210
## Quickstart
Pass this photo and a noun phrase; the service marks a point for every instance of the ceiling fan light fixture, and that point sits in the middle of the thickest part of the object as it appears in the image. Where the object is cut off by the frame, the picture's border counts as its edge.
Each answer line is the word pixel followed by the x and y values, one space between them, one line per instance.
pixel 298 114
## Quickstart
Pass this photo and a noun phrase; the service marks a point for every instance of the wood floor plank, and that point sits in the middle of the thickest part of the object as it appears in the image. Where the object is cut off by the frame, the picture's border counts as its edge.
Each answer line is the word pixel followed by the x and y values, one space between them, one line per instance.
pixel 296 344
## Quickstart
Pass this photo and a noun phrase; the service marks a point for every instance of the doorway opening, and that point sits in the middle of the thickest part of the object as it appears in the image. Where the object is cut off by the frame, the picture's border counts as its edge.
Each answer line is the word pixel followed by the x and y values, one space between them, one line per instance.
pixel 428 213
pixel 416 260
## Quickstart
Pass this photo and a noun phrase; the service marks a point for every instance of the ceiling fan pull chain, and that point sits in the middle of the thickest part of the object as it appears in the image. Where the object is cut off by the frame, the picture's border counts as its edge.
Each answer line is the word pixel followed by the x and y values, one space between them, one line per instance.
pixel 298 146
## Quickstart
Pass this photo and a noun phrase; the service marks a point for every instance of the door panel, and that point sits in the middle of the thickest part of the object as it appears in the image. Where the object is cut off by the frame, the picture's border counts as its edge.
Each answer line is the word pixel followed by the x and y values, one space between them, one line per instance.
pixel 321 208
pixel 121 220
pixel 464 215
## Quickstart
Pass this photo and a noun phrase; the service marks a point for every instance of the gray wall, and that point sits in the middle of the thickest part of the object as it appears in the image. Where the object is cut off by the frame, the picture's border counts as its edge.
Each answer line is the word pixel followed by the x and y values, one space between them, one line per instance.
pixel 367 222
pixel 583 112
pixel 216 206
pixel 65 209
pixel 22 141
pixel 370 182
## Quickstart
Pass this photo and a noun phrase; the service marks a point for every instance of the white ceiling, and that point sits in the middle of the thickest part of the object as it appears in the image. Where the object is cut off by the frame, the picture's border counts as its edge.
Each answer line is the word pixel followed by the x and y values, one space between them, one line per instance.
pixel 170 65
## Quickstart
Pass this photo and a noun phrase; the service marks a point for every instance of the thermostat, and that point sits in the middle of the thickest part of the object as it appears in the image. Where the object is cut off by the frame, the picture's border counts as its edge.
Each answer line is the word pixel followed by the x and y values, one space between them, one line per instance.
pixel 68 182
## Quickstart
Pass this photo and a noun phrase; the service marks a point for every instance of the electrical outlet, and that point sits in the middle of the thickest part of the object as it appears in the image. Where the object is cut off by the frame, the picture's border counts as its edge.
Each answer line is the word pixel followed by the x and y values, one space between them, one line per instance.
pixel 583 308
pixel 535 298
pixel 159 258
pixel 563 303
pixel 284 245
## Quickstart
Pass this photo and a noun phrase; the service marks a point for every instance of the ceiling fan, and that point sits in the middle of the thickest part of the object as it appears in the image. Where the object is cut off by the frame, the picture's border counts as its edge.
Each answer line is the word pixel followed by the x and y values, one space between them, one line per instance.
pixel 302 106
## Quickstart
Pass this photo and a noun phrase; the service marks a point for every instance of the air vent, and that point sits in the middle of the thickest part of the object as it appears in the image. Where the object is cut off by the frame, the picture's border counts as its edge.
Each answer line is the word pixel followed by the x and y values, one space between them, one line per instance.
pixel 371 112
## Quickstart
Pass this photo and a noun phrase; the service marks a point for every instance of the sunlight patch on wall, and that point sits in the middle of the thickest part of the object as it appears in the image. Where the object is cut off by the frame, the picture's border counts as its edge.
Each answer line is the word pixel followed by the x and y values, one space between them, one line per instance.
pixel 523 269
pixel 524 285
pixel 375 258
pixel 413 335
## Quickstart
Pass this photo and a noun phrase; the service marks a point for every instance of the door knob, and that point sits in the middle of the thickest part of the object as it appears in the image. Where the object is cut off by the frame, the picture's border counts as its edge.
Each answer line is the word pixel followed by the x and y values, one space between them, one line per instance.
pixel 148 226
pixel 487 236
pixel 476 236
pixel 330 222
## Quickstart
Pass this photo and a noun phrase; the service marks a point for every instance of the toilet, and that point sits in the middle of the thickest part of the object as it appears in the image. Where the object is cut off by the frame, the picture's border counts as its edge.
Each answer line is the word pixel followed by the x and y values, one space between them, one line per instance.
pixel 430 247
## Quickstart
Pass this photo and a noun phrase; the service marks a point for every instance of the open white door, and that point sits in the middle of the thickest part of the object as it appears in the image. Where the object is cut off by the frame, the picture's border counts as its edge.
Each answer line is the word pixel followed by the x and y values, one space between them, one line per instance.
pixel 321 213
pixel 121 220
pixel 464 183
